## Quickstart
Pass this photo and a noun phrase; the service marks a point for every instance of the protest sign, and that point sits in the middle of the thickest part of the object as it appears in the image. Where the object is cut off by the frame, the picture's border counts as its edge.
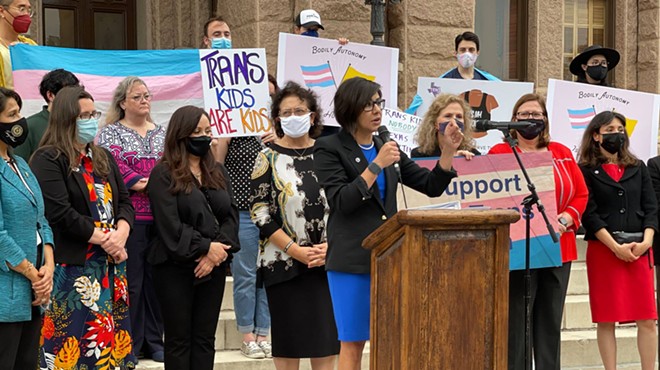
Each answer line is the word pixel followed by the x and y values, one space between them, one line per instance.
pixel 323 64
pixel 489 100
pixel 572 105
pixel 496 181
pixel 402 128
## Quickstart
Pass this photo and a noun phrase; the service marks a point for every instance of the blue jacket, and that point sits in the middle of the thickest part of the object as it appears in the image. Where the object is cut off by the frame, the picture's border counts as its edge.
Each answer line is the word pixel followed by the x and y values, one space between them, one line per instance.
pixel 20 217
pixel 417 100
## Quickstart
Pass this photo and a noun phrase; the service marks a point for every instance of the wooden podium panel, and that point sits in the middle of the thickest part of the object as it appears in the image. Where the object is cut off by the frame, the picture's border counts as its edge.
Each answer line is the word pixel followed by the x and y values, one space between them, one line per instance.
pixel 440 290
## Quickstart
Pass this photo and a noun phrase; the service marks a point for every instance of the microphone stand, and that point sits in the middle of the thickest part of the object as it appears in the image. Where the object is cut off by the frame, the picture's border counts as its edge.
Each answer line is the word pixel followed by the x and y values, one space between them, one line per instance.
pixel 527 204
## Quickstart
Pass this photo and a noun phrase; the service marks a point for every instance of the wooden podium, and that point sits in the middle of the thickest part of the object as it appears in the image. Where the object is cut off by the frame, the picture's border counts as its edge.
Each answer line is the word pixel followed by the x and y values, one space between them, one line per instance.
pixel 440 290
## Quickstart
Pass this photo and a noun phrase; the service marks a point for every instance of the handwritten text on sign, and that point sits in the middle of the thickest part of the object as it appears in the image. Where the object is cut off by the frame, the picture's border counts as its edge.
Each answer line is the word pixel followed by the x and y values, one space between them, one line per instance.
pixel 402 127
pixel 235 84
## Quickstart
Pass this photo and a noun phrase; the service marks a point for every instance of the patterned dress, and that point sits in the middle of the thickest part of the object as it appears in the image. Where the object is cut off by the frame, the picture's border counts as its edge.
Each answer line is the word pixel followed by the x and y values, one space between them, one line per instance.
pixel 87 327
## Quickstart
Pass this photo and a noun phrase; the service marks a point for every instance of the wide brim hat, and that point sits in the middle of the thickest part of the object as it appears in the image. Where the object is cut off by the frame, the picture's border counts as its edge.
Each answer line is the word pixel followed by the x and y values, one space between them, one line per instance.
pixel 612 56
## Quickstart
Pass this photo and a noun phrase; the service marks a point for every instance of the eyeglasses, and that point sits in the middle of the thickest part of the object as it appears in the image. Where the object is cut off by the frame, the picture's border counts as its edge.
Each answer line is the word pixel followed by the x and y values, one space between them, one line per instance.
pixel 296 112
pixel 380 103
pixel 23 10
pixel 95 114
pixel 597 63
pixel 138 98
pixel 528 115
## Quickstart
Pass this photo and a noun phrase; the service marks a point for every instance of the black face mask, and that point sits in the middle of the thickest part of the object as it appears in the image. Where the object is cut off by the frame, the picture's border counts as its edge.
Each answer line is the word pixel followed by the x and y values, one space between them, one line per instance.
pixel 598 72
pixel 198 146
pixel 530 132
pixel 612 143
pixel 14 133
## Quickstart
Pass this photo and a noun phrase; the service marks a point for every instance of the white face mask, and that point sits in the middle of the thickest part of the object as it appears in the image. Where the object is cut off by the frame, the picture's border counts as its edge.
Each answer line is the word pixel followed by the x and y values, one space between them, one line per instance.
pixel 467 59
pixel 296 126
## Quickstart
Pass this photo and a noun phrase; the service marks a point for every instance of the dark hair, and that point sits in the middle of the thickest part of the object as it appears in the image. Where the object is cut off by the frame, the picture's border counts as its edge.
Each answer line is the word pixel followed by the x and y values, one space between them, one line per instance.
pixel 306 95
pixel 175 154
pixel 590 154
pixel 350 99
pixel 273 80
pixel 5 95
pixel 544 137
pixel 61 133
pixel 211 20
pixel 466 36
pixel 55 80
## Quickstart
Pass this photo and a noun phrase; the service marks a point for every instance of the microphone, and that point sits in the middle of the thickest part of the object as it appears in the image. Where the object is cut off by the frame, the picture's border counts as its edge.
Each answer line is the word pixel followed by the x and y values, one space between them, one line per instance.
pixel 485 125
pixel 384 135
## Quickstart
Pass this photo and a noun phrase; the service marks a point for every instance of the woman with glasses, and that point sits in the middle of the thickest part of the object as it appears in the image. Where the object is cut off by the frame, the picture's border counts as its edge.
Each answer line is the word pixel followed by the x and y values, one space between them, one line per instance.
pixel 354 167
pixel 549 285
pixel 136 143
pixel 91 215
pixel 16 16
pixel 290 209
pixel 591 66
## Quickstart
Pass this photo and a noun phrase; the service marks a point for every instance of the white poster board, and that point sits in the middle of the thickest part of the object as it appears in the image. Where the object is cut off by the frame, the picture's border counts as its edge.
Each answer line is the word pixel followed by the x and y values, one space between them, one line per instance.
pixel 402 127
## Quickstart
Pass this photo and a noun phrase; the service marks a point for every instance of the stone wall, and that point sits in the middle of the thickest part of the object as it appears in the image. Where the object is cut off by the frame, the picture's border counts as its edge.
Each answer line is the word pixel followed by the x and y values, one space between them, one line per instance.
pixel 175 23
pixel 648 48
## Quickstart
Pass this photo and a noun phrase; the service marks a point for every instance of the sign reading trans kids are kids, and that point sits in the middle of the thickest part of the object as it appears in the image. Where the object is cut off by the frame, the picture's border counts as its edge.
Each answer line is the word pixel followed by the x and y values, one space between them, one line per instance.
pixel 235 86
pixel 323 64
pixel 572 105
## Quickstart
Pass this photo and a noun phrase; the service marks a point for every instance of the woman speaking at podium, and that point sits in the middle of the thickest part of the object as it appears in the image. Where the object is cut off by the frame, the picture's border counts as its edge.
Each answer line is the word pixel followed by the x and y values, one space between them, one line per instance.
pixel 357 171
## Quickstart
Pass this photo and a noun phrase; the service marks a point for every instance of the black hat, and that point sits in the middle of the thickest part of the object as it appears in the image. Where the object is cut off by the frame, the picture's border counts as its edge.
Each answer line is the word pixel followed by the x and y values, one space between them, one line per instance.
pixel 612 56
pixel 308 18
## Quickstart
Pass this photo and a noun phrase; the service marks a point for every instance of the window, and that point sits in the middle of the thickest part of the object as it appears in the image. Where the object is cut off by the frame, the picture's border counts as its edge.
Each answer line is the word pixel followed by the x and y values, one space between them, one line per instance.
pixel 585 23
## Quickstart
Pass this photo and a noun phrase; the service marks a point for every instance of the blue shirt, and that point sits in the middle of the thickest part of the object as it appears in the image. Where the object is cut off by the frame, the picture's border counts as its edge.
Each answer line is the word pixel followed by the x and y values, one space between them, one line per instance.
pixel 370 154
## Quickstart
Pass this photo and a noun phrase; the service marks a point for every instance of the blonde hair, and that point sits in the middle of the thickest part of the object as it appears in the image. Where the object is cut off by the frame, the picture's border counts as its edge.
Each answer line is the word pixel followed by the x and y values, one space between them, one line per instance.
pixel 116 112
pixel 427 133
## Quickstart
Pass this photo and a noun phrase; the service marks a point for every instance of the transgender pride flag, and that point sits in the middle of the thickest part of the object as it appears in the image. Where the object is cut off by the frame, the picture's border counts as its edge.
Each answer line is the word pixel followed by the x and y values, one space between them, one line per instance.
pixel 173 76
pixel 580 118
pixel 318 76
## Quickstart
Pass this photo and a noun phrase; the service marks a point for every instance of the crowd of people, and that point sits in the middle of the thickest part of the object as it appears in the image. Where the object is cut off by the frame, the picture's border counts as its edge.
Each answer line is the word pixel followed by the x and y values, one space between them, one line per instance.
pixel 116 237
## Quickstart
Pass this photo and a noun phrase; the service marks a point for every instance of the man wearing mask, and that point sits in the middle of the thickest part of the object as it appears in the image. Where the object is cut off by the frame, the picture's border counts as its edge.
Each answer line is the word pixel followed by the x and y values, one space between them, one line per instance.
pixel 592 65
pixel 50 85
pixel 466 51
pixel 16 18
pixel 216 34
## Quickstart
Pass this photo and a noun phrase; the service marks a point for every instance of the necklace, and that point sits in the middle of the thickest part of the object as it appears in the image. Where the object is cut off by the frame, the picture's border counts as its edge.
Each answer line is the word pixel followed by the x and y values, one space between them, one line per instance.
pixel 300 154
pixel 367 147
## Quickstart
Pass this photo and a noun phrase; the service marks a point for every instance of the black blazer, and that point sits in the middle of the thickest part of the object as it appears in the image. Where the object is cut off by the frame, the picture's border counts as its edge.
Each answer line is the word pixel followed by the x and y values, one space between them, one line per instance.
pixel 185 226
pixel 628 205
pixel 355 210
pixel 654 172
pixel 66 199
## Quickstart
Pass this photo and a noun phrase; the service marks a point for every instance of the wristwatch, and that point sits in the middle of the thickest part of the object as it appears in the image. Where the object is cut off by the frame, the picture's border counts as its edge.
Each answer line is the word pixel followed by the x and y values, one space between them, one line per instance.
pixel 374 168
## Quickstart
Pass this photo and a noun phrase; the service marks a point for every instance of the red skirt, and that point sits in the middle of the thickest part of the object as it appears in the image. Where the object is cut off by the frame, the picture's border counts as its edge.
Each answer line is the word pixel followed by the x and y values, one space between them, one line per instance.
pixel 619 291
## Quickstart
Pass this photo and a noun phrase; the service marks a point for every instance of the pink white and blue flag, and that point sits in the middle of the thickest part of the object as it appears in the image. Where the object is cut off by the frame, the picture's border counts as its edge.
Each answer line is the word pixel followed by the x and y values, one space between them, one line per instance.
pixel 580 118
pixel 173 76
pixel 318 76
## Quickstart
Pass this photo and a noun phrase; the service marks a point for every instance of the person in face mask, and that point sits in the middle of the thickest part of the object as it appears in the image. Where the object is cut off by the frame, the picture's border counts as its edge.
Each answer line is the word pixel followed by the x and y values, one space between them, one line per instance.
pixel 592 65
pixel 90 213
pixel 549 284
pixel 217 34
pixel 196 222
pixel 290 209
pixel 16 19
pixel 620 222
pixel 308 23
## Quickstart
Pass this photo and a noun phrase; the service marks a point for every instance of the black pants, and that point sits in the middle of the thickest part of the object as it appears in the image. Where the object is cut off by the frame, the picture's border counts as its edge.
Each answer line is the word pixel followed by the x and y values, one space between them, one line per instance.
pixel 146 318
pixel 190 314
pixel 20 343
pixel 549 286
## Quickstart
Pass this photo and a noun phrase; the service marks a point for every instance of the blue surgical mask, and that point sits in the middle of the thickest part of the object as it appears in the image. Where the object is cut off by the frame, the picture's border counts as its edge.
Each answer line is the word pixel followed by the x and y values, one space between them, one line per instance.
pixel 87 129
pixel 220 43
pixel 311 33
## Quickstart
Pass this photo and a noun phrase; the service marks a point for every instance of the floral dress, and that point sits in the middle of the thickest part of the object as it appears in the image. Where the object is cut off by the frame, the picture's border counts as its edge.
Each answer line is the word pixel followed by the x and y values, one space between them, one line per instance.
pixel 88 327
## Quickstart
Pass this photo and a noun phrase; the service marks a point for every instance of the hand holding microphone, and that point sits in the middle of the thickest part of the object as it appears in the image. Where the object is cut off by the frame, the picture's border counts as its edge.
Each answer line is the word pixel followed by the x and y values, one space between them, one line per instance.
pixel 387 155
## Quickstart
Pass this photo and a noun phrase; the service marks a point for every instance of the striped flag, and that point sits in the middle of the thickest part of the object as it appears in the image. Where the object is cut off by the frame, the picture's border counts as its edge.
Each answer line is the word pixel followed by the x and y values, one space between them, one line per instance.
pixel 318 76
pixel 580 118
pixel 173 76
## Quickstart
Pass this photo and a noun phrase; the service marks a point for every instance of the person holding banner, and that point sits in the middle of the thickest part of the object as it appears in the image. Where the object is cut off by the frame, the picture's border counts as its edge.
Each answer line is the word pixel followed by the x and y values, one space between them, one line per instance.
pixel 549 285
pixel 17 17
pixel 291 211
pixel 26 245
pixel 196 222
pixel 355 168
pixel 445 108
pixel 136 143
pixel 620 222
pixel 89 210
pixel 593 63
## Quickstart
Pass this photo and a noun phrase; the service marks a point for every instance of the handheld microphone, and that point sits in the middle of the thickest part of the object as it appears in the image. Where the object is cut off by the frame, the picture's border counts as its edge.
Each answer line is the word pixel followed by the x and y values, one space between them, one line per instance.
pixel 384 135
pixel 485 125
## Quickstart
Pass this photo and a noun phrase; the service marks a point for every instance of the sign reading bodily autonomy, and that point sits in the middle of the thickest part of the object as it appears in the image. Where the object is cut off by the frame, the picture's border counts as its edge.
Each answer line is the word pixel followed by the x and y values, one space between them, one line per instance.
pixel 489 100
pixel 402 128
pixel 173 76
pixel 496 181
pixel 235 85
pixel 323 64
pixel 572 105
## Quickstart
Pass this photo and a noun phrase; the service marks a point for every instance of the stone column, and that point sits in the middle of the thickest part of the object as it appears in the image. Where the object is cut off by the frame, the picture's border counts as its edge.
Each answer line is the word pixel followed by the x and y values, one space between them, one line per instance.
pixel 648 46
pixel 625 42
pixel 545 43
pixel 177 24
